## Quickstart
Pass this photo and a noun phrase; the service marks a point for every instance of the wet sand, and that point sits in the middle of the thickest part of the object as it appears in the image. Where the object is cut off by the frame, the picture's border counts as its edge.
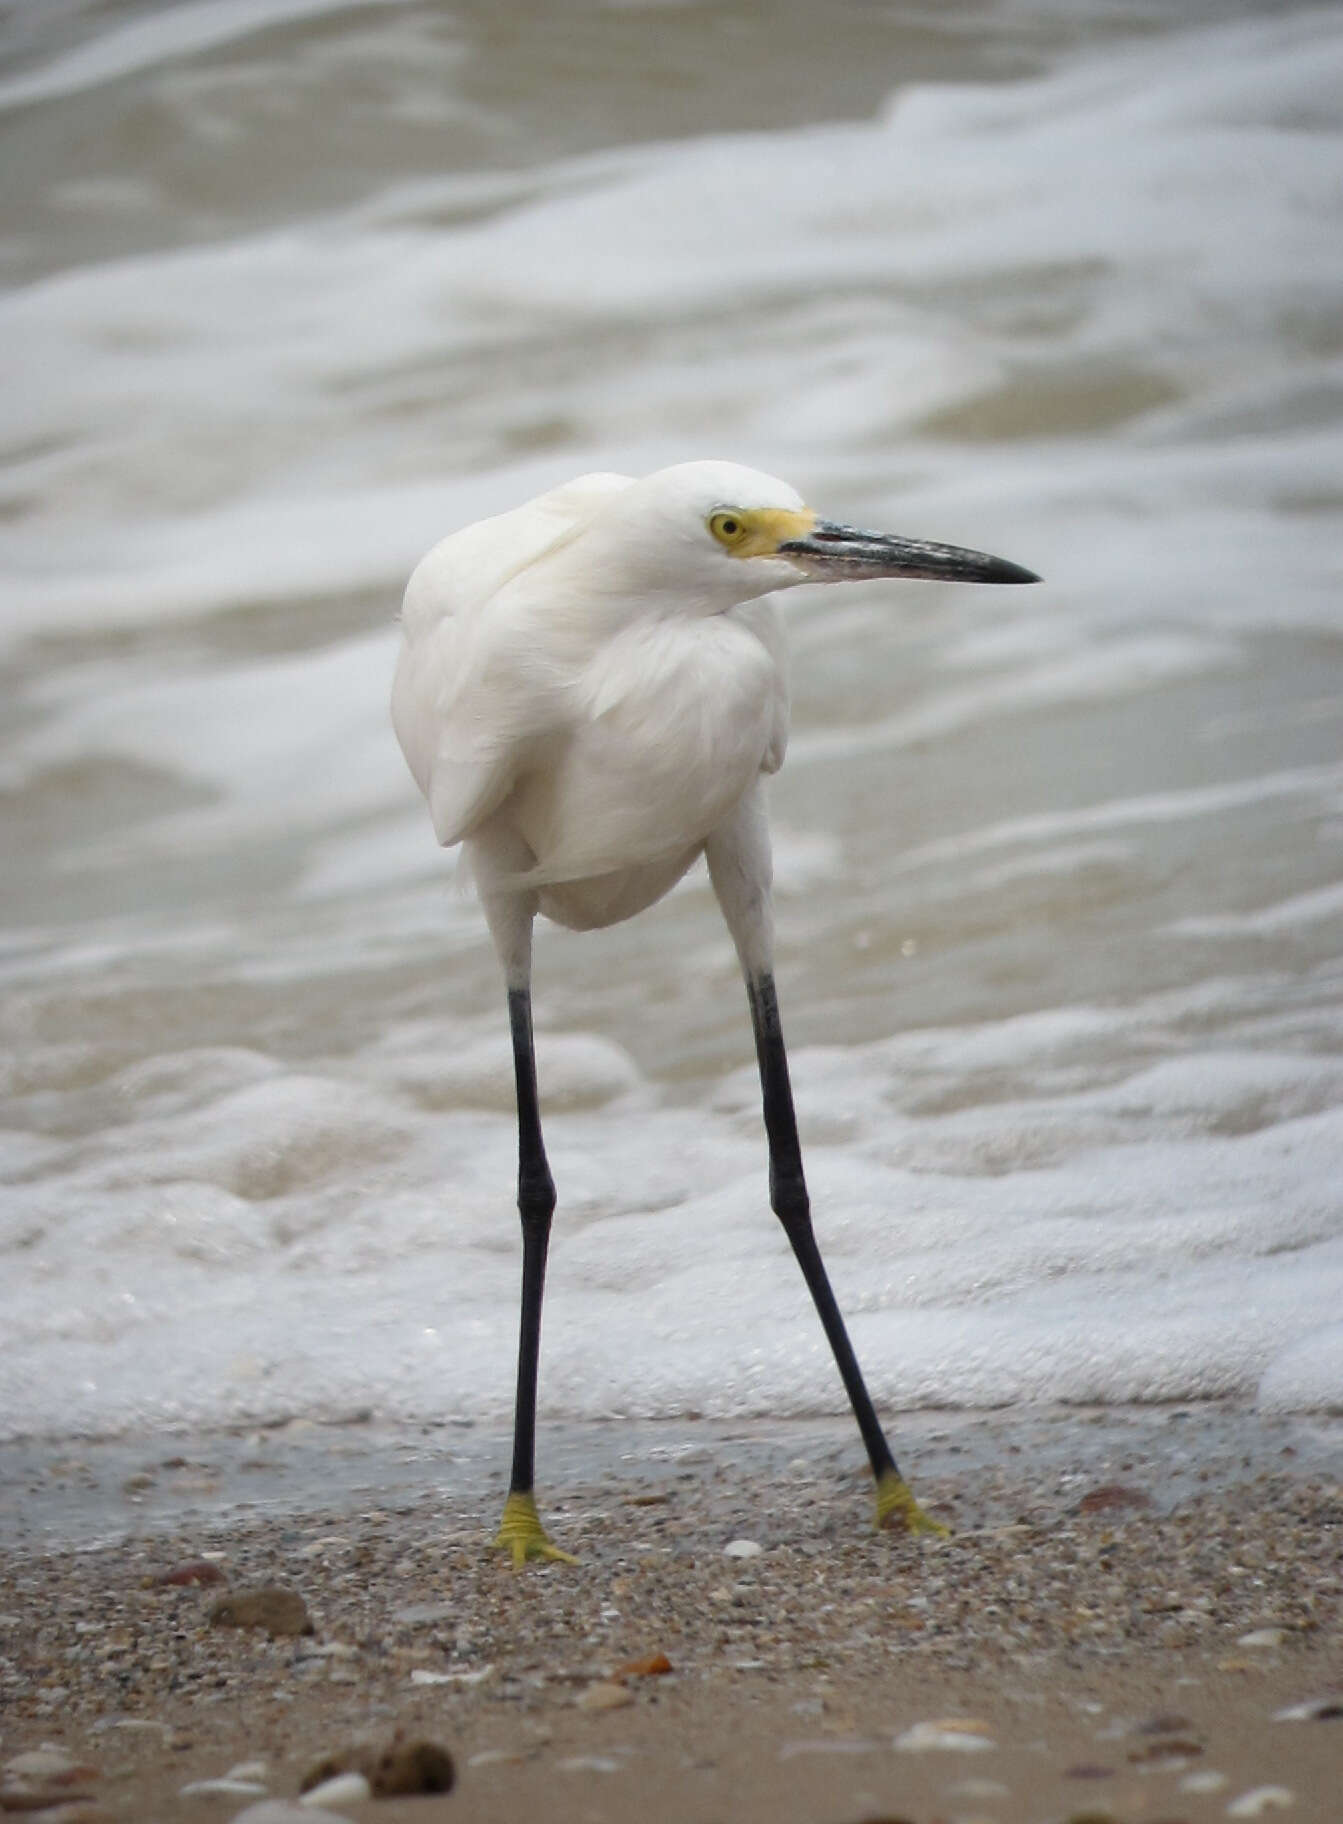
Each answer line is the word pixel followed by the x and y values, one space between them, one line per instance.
pixel 1128 1602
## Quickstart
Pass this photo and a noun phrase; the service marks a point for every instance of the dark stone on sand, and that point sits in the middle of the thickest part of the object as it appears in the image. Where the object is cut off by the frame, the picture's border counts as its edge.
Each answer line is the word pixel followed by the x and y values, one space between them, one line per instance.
pixel 411 1767
pixel 1112 1495
pixel 401 1769
pixel 277 1610
pixel 1168 1748
pixel 194 1570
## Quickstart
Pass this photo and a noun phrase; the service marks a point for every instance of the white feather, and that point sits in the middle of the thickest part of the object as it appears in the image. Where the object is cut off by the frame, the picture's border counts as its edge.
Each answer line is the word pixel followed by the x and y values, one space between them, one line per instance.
pixel 582 670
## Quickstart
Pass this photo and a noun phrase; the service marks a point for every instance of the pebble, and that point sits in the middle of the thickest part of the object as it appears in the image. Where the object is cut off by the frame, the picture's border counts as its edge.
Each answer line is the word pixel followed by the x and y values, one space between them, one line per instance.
pixel 223 1789
pixel 1161 1754
pixel 743 1548
pixel 1112 1495
pixel 279 1611
pixel 1203 1779
pixel 407 1768
pixel 1258 1800
pixel 398 1770
pixel 343 1789
pixel 589 1763
pixel 1313 1710
pixel 422 1675
pixel 604 1694
pixel 961 1734
pixel 193 1571
pixel 652 1665
pixel 43 1778
pixel 45 1766
pixel 1262 1637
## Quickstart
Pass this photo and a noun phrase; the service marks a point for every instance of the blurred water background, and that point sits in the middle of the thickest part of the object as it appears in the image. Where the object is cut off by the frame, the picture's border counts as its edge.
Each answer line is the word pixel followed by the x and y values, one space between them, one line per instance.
pixel 293 287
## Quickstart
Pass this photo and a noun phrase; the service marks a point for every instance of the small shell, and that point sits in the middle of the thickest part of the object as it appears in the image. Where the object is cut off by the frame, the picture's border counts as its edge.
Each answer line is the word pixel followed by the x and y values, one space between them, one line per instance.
pixel 962 1734
pixel 343 1789
pixel 1258 1800
pixel 604 1695
pixel 227 1788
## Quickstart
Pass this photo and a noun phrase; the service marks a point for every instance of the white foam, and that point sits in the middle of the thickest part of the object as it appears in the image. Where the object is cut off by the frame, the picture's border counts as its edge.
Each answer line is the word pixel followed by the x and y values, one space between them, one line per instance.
pixel 1299 910
pixel 1307 1376
pixel 342 1235
pixel 141 44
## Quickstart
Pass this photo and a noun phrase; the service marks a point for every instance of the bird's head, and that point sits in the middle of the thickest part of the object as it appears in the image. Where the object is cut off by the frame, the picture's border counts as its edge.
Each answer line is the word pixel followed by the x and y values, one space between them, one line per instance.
pixel 721 534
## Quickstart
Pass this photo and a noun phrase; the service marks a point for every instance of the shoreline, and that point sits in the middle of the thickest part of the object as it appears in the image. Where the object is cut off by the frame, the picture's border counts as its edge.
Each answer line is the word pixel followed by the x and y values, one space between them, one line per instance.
pixel 1129 1600
pixel 79 1493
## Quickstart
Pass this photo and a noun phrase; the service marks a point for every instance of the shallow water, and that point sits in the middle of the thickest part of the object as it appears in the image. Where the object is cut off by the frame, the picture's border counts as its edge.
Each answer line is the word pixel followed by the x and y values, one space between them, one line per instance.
pixel 292 290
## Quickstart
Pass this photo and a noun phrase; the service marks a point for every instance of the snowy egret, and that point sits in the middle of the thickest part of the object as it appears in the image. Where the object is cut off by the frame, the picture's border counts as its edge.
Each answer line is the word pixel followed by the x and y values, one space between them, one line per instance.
pixel 589 692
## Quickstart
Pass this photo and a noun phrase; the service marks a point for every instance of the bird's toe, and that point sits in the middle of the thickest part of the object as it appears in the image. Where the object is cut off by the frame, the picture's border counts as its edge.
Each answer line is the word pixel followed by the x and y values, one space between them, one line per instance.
pixel 523 1537
pixel 898 1511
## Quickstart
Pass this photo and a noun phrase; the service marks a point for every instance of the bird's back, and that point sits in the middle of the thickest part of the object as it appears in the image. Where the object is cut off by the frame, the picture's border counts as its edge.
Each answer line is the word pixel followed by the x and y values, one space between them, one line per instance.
pixel 459 749
pixel 467 569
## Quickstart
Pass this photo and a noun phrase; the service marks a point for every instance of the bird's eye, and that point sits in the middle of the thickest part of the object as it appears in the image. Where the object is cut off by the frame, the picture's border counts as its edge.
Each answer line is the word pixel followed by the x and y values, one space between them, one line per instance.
pixel 726 526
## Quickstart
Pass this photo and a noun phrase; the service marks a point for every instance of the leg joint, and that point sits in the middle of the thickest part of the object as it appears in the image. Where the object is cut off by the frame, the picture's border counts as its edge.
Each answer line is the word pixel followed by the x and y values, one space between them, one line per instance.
pixel 788 1198
pixel 536 1199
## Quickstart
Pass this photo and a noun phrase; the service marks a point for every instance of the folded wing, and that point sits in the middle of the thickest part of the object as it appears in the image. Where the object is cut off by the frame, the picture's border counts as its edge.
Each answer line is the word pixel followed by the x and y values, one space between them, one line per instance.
pixel 463 731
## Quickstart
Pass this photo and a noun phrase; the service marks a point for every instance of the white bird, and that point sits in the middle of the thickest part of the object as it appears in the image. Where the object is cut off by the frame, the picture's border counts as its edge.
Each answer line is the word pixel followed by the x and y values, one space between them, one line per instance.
pixel 589 693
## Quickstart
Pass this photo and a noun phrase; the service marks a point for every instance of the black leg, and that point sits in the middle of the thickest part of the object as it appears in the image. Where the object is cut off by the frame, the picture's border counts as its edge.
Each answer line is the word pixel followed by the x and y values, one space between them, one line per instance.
pixel 521 1532
pixel 536 1206
pixel 788 1198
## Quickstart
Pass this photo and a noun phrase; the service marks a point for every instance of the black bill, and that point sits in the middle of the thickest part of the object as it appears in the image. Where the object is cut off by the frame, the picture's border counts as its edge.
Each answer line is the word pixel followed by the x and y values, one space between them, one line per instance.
pixel 833 553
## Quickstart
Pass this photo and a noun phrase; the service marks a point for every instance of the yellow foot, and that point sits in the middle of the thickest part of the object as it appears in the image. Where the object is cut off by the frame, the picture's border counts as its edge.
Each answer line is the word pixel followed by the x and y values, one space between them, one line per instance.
pixel 896 1508
pixel 522 1534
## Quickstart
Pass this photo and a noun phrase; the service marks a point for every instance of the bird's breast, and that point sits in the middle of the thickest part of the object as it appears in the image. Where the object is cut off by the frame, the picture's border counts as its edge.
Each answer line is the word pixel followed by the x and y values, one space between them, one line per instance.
pixel 669 727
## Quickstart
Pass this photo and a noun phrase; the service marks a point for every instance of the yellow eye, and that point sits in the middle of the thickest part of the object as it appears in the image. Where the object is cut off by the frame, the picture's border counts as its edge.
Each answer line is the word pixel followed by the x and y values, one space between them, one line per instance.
pixel 727 526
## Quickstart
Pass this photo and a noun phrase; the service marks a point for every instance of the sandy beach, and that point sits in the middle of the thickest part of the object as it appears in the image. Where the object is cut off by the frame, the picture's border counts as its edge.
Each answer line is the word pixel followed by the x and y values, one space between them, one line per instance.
pixel 1136 1618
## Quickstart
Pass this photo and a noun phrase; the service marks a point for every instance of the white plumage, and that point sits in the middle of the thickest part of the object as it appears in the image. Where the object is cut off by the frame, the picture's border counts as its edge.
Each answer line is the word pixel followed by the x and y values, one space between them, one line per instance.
pixel 589 691
pixel 585 691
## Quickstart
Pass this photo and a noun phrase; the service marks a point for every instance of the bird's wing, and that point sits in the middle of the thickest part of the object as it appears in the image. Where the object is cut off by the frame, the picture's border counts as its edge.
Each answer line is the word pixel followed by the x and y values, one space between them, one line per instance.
pixel 466 570
pixel 457 708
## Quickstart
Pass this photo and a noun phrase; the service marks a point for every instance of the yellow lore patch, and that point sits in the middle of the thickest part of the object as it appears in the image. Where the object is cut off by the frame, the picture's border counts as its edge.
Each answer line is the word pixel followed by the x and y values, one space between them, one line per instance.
pixel 758 531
